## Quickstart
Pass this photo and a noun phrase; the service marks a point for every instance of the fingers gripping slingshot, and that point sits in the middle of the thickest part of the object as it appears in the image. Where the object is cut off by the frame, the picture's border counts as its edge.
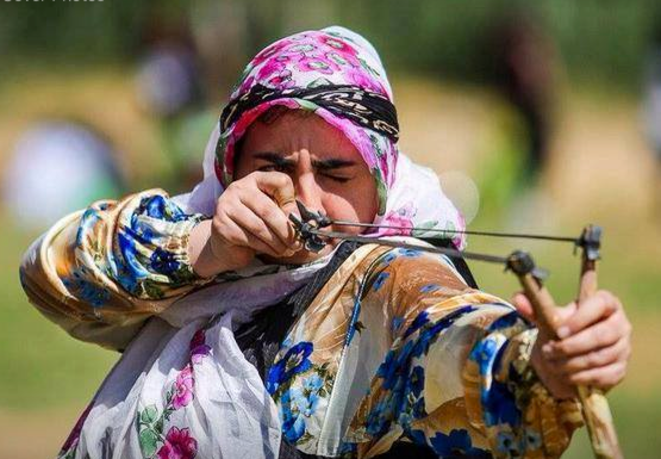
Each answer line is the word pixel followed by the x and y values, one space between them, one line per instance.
pixel 596 412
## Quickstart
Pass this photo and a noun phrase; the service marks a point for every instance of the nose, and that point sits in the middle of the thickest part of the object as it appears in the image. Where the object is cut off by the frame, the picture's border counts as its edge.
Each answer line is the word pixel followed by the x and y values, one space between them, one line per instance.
pixel 305 183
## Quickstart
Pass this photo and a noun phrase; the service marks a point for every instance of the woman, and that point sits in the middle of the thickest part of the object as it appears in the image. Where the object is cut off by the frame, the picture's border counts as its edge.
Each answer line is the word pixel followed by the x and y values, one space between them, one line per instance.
pixel 237 342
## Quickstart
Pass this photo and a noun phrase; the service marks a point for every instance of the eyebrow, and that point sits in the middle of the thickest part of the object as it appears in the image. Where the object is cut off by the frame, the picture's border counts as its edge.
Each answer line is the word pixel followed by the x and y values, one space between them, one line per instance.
pixel 324 164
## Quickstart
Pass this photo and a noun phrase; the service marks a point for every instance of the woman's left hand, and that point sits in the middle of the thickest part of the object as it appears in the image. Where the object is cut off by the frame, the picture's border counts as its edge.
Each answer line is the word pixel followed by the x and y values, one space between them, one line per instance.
pixel 593 348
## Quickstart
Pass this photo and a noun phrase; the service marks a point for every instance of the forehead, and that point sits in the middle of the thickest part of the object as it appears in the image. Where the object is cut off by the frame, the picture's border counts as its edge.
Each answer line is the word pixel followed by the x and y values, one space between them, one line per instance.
pixel 286 131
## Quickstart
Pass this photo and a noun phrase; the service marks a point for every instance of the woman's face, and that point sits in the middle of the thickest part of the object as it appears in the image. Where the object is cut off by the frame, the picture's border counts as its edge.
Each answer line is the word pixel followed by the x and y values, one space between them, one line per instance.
pixel 328 173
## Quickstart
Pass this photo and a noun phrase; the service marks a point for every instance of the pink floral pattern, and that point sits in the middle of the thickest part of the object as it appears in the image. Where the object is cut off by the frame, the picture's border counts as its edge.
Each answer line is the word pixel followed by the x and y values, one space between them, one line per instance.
pixel 342 46
pixel 401 218
pixel 183 388
pixel 317 64
pixel 178 445
pixel 178 442
pixel 304 60
pixel 337 56
pixel 198 346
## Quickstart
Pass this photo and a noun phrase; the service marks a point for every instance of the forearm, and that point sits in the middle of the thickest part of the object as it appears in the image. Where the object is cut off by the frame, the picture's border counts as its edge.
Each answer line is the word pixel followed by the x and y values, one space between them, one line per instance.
pixel 505 397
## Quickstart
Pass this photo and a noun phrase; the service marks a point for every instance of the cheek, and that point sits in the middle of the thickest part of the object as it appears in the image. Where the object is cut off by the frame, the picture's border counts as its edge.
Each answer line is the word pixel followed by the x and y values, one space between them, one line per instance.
pixel 357 202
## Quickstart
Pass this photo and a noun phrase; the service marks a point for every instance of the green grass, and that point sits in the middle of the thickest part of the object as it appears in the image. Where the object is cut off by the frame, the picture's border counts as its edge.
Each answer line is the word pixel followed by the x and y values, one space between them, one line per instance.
pixel 41 367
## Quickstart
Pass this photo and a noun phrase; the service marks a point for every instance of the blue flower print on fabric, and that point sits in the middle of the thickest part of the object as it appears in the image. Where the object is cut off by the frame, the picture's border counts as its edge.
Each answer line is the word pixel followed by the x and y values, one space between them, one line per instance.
pixel 396 324
pixel 298 403
pixel 130 270
pixel 140 253
pixel 86 290
pixel 506 321
pixel 307 398
pixel 403 381
pixel 388 258
pixel 419 321
pixel 87 221
pixel 293 424
pixel 164 262
pixel 429 332
pixel 380 280
pixel 507 445
pixel 411 253
pixel 430 288
pixel 160 208
pixel 293 362
pixel 498 401
pixel 456 444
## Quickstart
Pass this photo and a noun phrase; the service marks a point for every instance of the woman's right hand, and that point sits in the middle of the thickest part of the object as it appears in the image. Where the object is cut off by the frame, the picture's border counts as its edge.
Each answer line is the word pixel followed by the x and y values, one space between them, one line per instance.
pixel 248 221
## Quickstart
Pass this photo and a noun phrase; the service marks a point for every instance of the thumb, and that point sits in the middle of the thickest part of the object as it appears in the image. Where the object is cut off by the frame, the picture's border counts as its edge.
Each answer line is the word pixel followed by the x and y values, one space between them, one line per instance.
pixel 285 197
pixel 286 200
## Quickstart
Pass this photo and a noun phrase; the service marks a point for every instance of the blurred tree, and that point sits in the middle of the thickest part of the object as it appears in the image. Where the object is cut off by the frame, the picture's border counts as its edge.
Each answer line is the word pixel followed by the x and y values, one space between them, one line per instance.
pixel 603 40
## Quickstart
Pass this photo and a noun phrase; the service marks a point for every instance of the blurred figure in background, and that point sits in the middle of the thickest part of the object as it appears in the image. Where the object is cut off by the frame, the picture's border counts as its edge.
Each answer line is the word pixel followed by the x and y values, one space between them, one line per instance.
pixel 523 70
pixel 56 167
pixel 169 86
pixel 652 109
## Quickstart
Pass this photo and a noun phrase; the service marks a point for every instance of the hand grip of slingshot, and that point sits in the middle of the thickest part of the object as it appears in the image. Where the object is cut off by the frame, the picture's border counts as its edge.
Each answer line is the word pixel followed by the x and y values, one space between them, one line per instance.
pixel 596 411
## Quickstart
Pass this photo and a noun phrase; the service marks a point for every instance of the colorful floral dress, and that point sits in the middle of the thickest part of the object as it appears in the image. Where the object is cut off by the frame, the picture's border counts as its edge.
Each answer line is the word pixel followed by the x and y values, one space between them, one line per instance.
pixel 394 347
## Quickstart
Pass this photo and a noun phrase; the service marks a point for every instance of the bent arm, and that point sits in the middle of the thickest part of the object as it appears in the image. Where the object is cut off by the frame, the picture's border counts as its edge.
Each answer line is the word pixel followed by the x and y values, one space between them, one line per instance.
pixel 100 273
pixel 458 375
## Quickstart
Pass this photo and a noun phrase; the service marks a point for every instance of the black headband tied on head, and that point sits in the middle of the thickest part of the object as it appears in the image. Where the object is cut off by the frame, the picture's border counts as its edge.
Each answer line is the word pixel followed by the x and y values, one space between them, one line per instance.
pixel 364 108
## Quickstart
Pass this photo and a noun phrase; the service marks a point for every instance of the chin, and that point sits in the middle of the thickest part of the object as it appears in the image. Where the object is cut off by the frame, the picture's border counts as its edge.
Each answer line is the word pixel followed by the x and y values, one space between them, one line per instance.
pixel 299 258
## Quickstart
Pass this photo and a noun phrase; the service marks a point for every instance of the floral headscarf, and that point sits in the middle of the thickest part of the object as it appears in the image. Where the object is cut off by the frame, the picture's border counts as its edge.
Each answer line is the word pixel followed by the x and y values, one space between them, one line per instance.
pixel 410 196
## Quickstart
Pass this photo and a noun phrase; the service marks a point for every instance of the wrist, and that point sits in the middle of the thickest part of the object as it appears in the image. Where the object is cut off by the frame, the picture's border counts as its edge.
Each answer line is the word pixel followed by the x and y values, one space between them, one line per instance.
pixel 209 258
pixel 202 259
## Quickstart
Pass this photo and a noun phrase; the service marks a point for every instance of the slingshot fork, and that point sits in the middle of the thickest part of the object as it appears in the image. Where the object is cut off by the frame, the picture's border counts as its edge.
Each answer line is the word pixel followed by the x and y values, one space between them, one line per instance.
pixel 596 412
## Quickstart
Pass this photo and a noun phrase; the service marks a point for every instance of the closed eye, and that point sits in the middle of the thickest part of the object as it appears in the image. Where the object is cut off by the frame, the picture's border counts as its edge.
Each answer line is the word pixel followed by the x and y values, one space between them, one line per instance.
pixel 336 178
pixel 275 167
pixel 274 162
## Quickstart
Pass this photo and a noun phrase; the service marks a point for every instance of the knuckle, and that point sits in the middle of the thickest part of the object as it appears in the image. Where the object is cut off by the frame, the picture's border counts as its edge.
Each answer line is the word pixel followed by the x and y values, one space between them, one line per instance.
pixel 609 379
pixel 217 224
pixel 605 296
pixel 628 328
pixel 622 373
pixel 627 353
pixel 598 337
pixel 603 357
pixel 257 227
pixel 285 181
pixel 577 378
pixel 575 365
pixel 283 178
pixel 604 337
pixel 267 212
pixel 592 360
pixel 562 348
pixel 233 187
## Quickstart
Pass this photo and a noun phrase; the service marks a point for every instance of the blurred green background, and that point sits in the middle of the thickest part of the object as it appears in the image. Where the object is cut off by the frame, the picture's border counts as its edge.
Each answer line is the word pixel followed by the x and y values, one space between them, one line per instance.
pixel 474 82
